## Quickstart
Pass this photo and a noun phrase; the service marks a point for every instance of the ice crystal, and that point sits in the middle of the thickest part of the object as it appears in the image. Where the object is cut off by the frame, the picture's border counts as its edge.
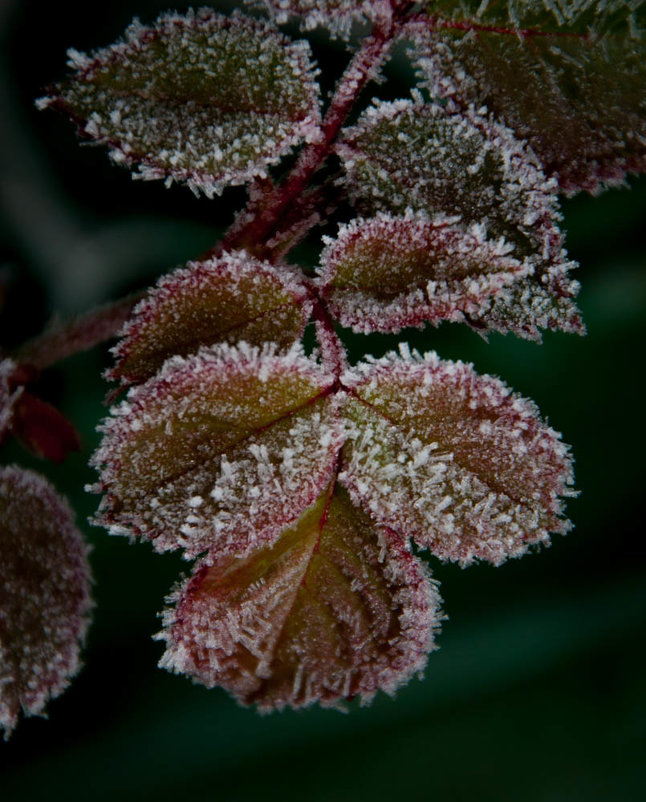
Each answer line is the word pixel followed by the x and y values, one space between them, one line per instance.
pixel 44 595
pixel 202 98
pixel 337 15
pixel 229 298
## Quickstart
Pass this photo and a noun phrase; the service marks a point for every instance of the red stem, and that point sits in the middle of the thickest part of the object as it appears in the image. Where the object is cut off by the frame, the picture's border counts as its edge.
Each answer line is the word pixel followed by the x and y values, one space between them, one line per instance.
pixel 260 221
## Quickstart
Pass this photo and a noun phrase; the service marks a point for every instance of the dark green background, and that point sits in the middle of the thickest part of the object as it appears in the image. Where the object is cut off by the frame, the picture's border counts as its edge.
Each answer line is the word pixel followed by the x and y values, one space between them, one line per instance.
pixel 537 692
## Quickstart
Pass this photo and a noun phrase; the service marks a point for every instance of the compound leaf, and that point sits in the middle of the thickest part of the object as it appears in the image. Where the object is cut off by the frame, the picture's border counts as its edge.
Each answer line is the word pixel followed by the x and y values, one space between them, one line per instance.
pixel 388 272
pixel 335 608
pixel 232 297
pixel 201 98
pixel 221 449
pixel 44 595
pixel 453 459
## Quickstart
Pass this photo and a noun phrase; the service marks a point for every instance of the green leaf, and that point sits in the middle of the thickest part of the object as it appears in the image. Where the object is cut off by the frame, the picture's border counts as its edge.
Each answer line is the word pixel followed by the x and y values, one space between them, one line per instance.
pixel 44 595
pixel 387 272
pixel 221 449
pixel 409 154
pixel 337 15
pixel 335 608
pixel 226 299
pixel 452 459
pixel 567 77
pixel 201 98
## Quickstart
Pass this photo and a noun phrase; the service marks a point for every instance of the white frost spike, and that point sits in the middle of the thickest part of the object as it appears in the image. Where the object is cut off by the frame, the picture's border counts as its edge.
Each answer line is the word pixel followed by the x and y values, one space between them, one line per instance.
pixel 388 272
pixel 337 15
pixel 202 98
pixel 44 595
pixel 477 474
pixel 253 432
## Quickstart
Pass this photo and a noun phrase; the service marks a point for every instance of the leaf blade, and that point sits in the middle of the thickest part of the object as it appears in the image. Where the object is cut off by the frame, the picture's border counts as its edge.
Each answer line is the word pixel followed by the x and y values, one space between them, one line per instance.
pixel 44 595
pixel 223 447
pixel 332 610
pixel 202 98
pixel 453 459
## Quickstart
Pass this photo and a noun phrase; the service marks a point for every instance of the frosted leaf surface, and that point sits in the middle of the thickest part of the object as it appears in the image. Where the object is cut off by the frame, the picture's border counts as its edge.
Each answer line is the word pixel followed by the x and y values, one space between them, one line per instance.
pixel 222 449
pixel 336 608
pixel 388 272
pixel 338 15
pixel 453 459
pixel 201 98
pixel 44 595
pixel 573 84
pixel 230 298
pixel 409 154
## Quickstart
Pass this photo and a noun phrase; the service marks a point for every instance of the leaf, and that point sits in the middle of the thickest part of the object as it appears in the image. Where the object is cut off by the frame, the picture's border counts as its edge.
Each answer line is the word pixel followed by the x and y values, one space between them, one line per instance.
pixel 335 608
pixel 453 459
pixel 337 15
pixel 408 154
pixel 44 595
pixel 222 449
pixel 569 78
pixel 229 298
pixel 201 98
pixel 387 272
pixel 42 429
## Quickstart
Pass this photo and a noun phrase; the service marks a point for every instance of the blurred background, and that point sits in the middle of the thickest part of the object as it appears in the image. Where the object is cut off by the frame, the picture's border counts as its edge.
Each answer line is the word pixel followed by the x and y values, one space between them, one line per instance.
pixel 537 692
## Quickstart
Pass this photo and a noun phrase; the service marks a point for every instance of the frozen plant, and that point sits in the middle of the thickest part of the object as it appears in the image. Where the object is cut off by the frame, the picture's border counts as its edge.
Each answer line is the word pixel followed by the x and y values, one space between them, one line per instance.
pixel 297 482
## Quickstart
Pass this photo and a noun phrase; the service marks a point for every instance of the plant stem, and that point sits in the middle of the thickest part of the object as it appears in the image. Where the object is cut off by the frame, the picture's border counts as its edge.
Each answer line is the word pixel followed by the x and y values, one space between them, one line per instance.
pixel 80 334
pixel 260 220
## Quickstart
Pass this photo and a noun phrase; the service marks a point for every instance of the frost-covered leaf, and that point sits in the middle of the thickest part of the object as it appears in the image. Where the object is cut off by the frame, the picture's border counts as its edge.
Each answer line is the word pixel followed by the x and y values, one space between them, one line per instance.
pixel 338 15
pixel 568 77
pixel 453 459
pixel 222 449
pixel 44 595
pixel 229 298
pixel 335 608
pixel 408 154
pixel 387 272
pixel 201 98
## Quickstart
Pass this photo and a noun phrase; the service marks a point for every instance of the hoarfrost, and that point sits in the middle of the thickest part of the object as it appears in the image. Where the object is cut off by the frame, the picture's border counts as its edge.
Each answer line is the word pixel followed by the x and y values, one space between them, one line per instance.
pixel 201 98
pixel 45 580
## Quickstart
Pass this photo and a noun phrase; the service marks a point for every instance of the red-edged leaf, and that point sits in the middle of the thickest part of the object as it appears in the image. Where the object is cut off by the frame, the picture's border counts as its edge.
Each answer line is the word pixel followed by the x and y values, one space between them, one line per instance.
pixel 408 154
pixel 337 15
pixel 44 595
pixel 201 98
pixel 334 609
pixel 453 459
pixel 568 77
pixel 42 429
pixel 230 298
pixel 387 272
pixel 219 450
